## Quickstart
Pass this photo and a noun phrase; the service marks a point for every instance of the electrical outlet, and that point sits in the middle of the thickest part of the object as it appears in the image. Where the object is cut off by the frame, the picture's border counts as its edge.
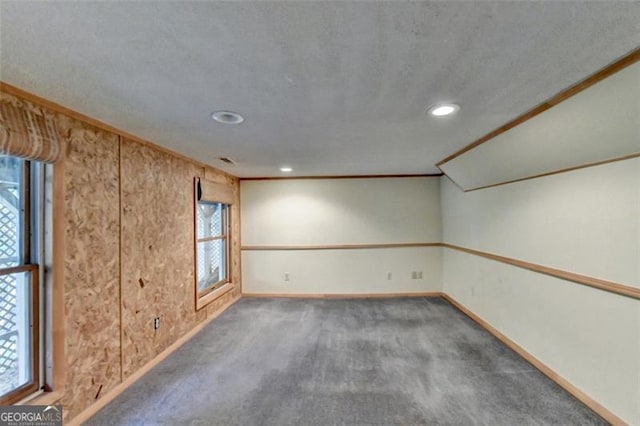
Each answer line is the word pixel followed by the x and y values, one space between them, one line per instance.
pixel 419 275
pixel 156 323
pixel 388 275
pixel 286 276
pixel 414 275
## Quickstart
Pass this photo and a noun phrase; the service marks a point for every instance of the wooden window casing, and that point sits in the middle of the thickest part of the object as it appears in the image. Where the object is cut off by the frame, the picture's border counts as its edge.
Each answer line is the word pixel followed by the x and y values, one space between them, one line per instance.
pixel 211 194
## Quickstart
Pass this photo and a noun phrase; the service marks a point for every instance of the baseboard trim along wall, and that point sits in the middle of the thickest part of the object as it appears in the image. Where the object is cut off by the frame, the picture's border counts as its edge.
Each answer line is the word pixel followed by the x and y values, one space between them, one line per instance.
pixel 546 370
pixel 122 386
pixel 345 295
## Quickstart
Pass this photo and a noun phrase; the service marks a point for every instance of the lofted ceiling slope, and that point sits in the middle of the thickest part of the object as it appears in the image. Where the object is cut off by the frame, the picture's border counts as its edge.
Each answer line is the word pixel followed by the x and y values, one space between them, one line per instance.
pixel 329 88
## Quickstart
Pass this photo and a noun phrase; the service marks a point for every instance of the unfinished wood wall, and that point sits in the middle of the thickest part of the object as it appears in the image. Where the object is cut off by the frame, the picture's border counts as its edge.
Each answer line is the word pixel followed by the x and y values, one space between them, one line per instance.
pixel 128 255
pixel 91 268
pixel 157 252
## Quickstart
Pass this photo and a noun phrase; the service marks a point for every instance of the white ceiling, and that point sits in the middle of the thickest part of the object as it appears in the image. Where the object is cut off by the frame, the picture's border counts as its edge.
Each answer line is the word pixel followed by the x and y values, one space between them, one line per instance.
pixel 330 88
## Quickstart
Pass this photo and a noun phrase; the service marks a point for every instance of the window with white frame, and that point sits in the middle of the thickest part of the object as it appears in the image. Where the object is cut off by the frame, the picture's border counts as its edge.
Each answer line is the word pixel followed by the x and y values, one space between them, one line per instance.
pixel 20 241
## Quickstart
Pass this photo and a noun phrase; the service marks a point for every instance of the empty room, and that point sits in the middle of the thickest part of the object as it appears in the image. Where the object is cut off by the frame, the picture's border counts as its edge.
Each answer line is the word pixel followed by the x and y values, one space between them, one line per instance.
pixel 319 213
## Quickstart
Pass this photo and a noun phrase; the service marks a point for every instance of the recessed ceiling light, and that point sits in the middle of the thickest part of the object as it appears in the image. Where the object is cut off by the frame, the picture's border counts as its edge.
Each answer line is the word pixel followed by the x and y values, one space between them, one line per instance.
pixel 286 169
pixel 444 109
pixel 227 117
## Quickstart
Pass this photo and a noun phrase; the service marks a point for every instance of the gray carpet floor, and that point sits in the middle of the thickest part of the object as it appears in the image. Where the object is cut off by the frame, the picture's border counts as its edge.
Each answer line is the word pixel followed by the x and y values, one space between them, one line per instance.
pixel 347 362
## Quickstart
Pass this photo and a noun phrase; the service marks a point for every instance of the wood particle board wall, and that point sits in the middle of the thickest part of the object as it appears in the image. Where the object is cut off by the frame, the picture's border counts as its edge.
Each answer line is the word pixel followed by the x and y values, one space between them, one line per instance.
pixel 157 246
pixel 91 266
pixel 158 266
pixel 128 250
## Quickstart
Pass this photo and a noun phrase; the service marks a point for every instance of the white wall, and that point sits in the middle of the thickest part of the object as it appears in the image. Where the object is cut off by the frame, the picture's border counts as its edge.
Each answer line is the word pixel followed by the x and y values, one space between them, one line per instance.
pixel 586 221
pixel 570 134
pixel 302 212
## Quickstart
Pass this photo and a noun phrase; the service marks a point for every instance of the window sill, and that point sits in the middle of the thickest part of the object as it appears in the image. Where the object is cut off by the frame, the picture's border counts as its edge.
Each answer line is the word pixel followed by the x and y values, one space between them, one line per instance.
pixel 203 301
pixel 42 398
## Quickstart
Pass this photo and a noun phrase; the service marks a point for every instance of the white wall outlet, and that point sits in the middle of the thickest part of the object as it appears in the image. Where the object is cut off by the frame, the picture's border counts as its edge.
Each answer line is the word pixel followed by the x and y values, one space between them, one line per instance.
pixel 414 275
pixel 286 276
pixel 389 275
pixel 419 275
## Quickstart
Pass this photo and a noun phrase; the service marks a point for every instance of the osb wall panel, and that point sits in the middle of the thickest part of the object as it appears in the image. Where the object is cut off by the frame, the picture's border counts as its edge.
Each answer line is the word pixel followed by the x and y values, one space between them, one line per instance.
pixel 91 269
pixel 236 277
pixel 115 189
pixel 158 268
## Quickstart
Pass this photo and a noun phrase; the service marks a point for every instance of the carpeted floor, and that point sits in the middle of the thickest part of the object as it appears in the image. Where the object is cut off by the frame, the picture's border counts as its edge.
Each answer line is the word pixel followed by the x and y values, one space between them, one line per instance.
pixel 348 362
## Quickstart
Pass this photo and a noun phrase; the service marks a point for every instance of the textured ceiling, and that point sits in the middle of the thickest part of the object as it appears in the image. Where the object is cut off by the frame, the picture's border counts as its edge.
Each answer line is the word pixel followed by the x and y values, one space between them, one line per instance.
pixel 330 88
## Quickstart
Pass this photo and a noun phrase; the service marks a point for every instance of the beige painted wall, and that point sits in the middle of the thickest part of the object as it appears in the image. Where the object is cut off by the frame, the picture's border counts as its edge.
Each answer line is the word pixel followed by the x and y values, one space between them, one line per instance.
pixel 586 221
pixel 335 212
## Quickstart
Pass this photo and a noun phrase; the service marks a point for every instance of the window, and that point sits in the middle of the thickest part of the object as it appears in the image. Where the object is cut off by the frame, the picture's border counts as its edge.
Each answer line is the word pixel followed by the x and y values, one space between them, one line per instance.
pixel 19 278
pixel 212 206
pixel 213 232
